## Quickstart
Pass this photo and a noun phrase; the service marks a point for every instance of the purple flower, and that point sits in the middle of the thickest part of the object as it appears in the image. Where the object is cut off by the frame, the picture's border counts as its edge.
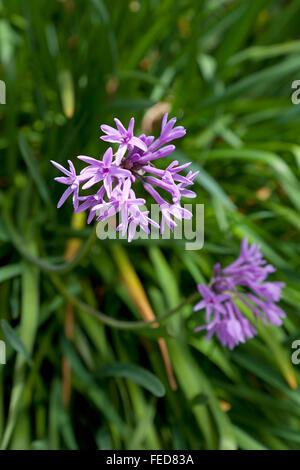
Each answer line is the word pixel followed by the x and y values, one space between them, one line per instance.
pixel 122 200
pixel 241 281
pixel 139 219
pixel 91 202
pixel 114 175
pixel 104 170
pixel 168 210
pixel 124 137
pixel 168 132
pixel 71 179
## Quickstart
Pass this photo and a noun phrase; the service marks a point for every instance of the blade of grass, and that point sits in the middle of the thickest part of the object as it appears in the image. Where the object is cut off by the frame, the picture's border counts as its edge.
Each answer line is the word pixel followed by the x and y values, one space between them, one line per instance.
pixel 27 332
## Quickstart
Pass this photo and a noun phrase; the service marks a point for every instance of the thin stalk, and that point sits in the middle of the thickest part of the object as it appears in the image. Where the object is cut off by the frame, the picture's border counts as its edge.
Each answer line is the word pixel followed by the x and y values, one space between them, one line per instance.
pixel 112 322
pixel 62 268
pixel 53 272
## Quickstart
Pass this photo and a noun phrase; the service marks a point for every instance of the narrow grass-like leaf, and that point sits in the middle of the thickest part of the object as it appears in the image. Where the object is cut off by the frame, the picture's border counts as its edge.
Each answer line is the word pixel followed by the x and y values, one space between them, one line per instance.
pixel 10 271
pixel 13 339
pixel 33 169
pixel 137 374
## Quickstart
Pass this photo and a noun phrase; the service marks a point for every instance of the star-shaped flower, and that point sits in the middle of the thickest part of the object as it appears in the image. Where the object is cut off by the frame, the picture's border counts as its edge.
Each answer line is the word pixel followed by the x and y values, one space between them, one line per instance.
pixel 71 179
pixel 124 137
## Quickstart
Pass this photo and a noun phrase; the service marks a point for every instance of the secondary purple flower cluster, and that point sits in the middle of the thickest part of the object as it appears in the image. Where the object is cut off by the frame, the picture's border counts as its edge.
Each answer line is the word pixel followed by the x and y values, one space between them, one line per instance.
pixel 242 280
pixel 115 174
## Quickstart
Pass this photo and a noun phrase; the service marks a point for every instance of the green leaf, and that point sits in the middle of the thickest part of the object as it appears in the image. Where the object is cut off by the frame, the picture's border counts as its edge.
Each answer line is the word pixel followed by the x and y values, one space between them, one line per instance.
pixel 13 339
pixel 67 92
pixel 247 442
pixel 205 180
pixel 137 374
pixel 281 170
pixel 10 271
pixel 260 78
pixel 200 399
pixel 33 169
pixel 130 104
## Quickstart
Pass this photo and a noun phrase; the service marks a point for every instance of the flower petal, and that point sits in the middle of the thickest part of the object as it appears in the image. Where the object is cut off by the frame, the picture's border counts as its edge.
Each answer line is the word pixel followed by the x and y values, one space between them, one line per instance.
pixel 65 196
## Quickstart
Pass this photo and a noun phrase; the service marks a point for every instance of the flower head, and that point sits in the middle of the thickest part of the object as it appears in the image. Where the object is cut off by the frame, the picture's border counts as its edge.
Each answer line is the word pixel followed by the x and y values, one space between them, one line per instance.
pixel 242 281
pixel 114 175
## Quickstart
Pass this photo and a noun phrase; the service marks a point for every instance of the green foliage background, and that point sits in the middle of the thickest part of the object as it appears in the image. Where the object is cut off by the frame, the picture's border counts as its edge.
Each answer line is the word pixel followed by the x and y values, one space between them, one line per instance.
pixel 226 68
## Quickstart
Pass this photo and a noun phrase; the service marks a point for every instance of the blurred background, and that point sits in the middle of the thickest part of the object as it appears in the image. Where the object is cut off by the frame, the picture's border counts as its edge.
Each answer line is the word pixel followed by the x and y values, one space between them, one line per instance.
pixel 71 381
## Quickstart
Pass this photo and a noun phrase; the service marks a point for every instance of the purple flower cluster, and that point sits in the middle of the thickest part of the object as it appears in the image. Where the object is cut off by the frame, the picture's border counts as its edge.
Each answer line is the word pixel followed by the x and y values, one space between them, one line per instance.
pixel 115 174
pixel 244 280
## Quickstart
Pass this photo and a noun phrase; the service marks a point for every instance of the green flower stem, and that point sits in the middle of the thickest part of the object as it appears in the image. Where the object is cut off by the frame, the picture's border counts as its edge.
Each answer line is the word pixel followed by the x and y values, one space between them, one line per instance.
pixel 43 265
pixel 112 322
pixel 54 270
